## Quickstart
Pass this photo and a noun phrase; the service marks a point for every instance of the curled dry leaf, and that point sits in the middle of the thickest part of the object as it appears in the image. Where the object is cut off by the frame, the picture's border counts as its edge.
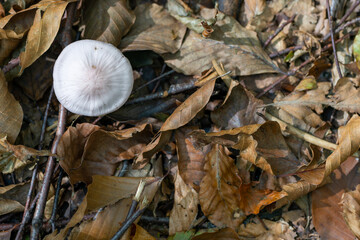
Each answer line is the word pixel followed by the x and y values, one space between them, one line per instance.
pixel 11 114
pixel 185 207
pixel 325 202
pixel 239 110
pixel 351 210
pixel 107 21
pixel 348 144
pixel 224 199
pixel 86 150
pixel 14 157
pixel 43 31
pixel 104 191
pixel 154 29
pixel 191 160
pixel 189 108
pixel 230 44
pixel 13 197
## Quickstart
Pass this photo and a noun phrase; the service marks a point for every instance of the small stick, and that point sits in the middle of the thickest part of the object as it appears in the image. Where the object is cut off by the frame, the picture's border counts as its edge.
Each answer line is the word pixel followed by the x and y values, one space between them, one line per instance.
pixel 56 200
pixel 268 41
pixel 155 79
pixel 283 78
pixel 355 20
pixel 11 65
pixel 342 20
pixel 285 51
pixel 136 199
pixel 332 39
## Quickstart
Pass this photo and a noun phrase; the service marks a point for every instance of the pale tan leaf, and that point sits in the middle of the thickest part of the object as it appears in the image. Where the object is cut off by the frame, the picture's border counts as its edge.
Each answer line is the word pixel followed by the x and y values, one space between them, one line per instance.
pixel 13 197
pixel 189 108
pixel 42 33
pixel 154 29
pixel 236 47
pixel 9 206
pixel 107 21
pixel 11 114
pixel 185 207
pixel 351 210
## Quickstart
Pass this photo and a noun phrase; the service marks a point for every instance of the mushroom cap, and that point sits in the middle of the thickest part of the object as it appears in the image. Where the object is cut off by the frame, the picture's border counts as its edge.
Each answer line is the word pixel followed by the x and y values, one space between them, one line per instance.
pixel 92 78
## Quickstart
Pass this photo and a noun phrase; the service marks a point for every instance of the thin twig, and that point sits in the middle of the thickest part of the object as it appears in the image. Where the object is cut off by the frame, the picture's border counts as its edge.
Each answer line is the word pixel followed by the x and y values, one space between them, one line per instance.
pixel 332 39
pixel 56 200
pixel 342 20
pixel 285 51
pixel 155 79
pixel 11 65
pixel 35 170
pixel 355 20
pixel 268 41
pixel 283 78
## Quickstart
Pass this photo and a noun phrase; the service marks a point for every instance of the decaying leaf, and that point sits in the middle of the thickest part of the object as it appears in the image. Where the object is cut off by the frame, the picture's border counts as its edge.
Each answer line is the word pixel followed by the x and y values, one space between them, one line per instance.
pixel 185 207
pixel 189 108
pixel 191 160
pixel 223 234
pixel 107 21
pixel 14 157
pixel 351 210
pixel 347 96
pixel 154 29
pixel 11 114
pixel 85 151
pixel 236 47
pixel 13 197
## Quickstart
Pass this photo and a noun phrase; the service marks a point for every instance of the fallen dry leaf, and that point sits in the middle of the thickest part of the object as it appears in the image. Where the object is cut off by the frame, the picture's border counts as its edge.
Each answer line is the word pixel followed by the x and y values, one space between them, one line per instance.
pixel 189 108
pixel 351 210
pixel 191 160
pixel 325 202
pixel 11 114
pixel 222 234
pixel 185 208
pixel 107 21
pixel 347 96
pixel 237 48
pixel 98 152
pixel 13 197
pixel 154 29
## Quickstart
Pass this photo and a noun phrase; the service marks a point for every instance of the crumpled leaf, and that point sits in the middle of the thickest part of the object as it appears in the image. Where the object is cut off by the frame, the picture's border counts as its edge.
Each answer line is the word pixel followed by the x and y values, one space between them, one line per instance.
pixel 185 207
pixel 189 108
pixel 191 160
pixel 105 191
pixel 43 31
pixel 154 29
pixel 11 114
pixel 351 210
pixel 86 150
pixel 224 199
pixel 222 234
pixel 347 95
pixel 230 44
pixel 239 110
pixel 348 144
pixel 14 157
pixel 107 21
pixel 325 202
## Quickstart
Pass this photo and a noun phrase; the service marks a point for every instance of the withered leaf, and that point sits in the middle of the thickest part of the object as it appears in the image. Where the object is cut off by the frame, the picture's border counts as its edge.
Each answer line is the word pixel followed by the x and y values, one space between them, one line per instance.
pixel 189 108
pixel 13 197
pixel 347 95
pixel 11 114
pixel 107 21
pixel 223 234
pixel 154 29
pixel 351 210
pixel 191 160
pixel 236 47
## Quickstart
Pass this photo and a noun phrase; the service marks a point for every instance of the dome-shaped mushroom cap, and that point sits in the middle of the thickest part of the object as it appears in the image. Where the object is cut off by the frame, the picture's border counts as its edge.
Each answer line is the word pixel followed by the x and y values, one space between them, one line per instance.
pixel 92 78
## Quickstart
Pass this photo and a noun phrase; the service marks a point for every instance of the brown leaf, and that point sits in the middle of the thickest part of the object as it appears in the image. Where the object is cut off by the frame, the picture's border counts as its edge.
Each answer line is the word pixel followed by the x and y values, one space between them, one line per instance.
pixel 98 152
pixel 348 144
pixel 104 191
pixel 13 197
pixel 239 110
pixel 347 96
pixel 223 234
pixel 325 202
pixel 154 29
pixel 14 157
pixel 43 31
pixel 189 108
pixel 190 159
pixel 11 114
pixel 219 193
pixel 236 47
pixel 185 207
pixel 351 210
pixel 141 234
pixel 107 21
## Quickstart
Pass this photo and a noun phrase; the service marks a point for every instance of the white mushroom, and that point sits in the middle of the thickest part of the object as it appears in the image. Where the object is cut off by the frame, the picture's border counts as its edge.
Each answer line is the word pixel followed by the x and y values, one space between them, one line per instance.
pixel 92 78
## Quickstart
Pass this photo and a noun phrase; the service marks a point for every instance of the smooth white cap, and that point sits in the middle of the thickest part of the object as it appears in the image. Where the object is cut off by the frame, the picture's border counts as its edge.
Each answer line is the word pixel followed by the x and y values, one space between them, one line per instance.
pixel 92 78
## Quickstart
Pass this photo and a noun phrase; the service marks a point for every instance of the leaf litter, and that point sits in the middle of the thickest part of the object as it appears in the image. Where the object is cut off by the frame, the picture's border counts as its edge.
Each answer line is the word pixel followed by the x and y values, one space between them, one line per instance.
pixel 196 154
